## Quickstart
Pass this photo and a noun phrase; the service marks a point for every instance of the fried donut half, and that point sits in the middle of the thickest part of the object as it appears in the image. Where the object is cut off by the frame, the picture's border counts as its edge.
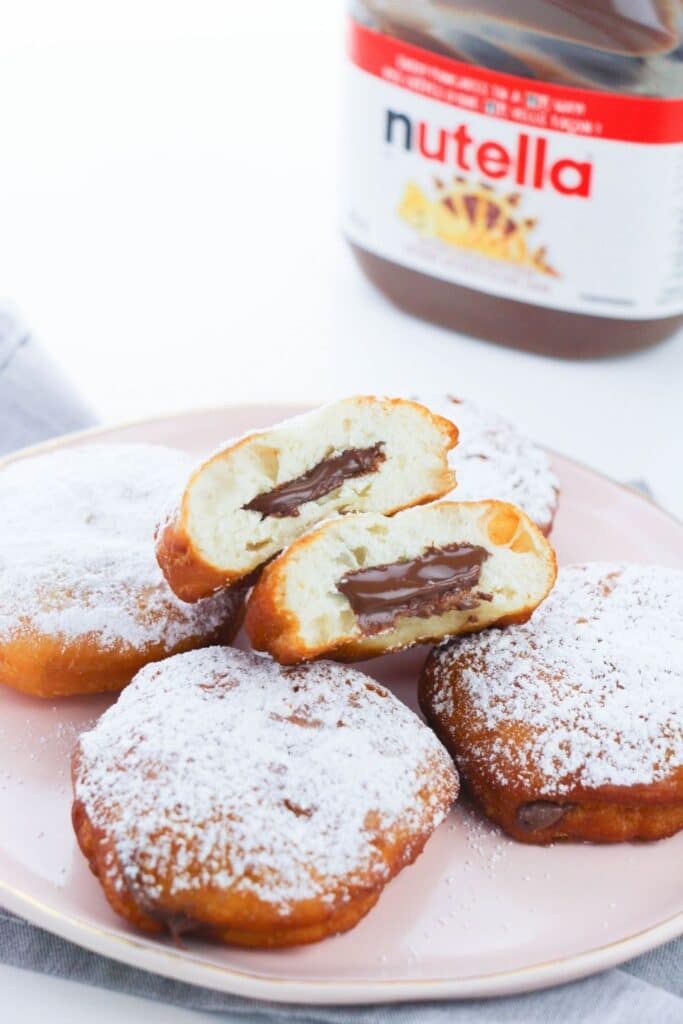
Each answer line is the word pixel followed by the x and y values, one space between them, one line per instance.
pixel 83 603
pixel 571 726
pixel 259 494
pixel 363 585
pixel 494 458
pixel 255 805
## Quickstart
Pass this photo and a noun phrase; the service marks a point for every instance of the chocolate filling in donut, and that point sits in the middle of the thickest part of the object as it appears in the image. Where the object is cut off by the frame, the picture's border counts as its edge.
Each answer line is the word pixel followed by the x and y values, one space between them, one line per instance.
pixel 541 814
pixel 176 923
pixel 437 581
pixel 285 499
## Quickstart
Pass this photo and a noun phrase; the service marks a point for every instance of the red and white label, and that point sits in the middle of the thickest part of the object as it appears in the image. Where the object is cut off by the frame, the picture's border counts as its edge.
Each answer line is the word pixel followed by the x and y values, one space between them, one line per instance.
pixel 566 198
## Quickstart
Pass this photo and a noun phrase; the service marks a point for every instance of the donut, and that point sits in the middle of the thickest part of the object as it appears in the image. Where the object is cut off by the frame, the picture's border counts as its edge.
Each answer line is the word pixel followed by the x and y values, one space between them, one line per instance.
pixel 255 805
pixel 83 603
pixel 495 459
pixel 261 493
pixel 366 584
pixel 571 725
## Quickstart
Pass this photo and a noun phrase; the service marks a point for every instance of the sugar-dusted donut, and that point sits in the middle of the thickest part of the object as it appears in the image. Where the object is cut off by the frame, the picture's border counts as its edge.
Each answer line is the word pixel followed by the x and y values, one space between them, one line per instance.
pixel 259 494
pixel 571 726
pixel 83 603
pixel 255 805
pixel 362 585
pixel 494 458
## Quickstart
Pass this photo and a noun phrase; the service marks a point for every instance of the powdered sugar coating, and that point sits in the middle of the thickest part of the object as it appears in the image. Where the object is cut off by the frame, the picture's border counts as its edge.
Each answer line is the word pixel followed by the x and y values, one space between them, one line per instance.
pixel 595 678
pixel 494 458
pixel 221 768
pixel 77 548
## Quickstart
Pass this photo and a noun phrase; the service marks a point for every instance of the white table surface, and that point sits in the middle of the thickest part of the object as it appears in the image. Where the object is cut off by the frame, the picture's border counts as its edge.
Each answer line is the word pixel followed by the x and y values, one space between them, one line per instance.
pixel 169 212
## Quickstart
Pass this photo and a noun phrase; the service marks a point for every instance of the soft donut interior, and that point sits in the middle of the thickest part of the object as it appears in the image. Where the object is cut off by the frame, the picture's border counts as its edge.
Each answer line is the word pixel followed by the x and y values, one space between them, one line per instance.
pixel 247 503
pixel 445 569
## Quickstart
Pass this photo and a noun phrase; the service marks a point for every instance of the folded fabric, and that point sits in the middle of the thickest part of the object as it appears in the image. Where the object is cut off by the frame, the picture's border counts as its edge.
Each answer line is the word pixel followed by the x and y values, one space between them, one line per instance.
pixel 36 402
pixel 649 989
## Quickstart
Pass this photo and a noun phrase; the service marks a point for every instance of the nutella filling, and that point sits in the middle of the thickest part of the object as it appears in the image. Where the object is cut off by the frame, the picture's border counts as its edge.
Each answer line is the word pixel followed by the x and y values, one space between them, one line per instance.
pixel 541 814
pixel 177 923
pixel 438 580
pixel 286 499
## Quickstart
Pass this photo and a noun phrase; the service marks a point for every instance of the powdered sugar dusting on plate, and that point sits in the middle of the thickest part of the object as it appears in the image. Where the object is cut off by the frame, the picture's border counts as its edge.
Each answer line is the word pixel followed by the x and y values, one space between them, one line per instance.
pixel 495 459
pixel 77 548
pixel 220 767
pixel 595 677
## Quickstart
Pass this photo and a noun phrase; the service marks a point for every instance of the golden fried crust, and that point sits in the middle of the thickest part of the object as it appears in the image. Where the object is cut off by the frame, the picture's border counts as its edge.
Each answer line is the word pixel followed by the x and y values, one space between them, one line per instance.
pixel 237 919
pixel 187 571
pixel 272 853
pixel 47 666
pixel 606 814
pixel 83 605
pixel 272 627
pixel 547 528
pixel 268 622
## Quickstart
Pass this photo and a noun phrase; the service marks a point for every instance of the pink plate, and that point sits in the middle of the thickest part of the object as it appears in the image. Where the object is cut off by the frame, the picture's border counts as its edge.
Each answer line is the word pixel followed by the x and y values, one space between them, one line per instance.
pixel 477 915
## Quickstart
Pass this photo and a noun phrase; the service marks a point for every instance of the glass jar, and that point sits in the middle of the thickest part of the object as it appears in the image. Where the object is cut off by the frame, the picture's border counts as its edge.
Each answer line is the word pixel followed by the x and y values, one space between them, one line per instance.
pixel 515 171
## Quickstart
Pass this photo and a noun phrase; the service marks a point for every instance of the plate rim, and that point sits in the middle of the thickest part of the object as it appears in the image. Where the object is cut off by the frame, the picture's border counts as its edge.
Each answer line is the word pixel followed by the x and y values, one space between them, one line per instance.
pixel 181 965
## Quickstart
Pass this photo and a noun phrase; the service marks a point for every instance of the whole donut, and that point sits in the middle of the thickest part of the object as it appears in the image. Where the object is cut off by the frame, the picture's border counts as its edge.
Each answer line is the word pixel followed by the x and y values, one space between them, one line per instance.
pixel 571 725
pixel 83 603
pixel 257 805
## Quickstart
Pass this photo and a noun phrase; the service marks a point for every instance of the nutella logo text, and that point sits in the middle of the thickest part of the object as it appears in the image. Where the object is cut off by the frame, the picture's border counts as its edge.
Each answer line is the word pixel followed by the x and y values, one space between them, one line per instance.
pixel 527 162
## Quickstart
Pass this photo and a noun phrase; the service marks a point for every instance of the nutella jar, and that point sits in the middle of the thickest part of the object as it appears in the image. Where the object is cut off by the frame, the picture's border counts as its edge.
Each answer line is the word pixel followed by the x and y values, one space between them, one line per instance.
pixel 515 170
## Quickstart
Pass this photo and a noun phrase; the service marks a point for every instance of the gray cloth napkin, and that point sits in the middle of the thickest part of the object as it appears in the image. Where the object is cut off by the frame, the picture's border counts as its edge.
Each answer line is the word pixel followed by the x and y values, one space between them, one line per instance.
pixel 36 403
pixel 648 990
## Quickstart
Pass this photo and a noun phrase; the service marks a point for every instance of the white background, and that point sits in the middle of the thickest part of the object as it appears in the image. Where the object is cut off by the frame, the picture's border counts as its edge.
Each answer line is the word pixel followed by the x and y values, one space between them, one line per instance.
pixel 169 210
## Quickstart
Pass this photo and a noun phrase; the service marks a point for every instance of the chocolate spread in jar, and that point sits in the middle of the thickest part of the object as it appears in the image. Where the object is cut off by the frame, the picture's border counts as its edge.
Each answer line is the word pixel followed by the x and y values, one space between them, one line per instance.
pixel 286 499
pixel 592 91
pixel 436 581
